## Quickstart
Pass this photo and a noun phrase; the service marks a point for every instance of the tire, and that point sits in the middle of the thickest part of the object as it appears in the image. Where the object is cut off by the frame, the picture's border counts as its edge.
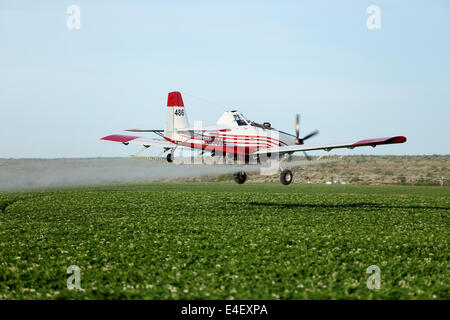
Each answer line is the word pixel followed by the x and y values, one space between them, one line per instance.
pixel 286 177
pixel 240 177
pixel 170 157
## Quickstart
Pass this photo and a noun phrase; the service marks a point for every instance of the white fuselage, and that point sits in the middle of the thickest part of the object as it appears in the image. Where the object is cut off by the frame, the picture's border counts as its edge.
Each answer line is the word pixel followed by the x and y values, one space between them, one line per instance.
pixel 239 136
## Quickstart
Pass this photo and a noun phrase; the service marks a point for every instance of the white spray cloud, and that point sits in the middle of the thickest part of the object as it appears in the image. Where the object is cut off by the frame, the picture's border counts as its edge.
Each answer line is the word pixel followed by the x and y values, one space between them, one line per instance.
pixel 17 174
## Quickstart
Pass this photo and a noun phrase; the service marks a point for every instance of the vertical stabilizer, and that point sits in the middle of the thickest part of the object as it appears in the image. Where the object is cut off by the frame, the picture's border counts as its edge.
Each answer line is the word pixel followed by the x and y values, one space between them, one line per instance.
pixel 175 115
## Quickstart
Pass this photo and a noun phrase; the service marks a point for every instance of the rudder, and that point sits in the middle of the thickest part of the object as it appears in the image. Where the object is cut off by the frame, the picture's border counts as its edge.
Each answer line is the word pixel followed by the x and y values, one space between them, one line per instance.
pixel 175 115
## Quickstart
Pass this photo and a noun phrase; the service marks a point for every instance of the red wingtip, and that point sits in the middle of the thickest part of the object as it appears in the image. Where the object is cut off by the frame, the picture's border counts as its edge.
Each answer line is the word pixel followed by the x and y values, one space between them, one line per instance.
pixel 374 142
pixel 119 138
pixel 175 100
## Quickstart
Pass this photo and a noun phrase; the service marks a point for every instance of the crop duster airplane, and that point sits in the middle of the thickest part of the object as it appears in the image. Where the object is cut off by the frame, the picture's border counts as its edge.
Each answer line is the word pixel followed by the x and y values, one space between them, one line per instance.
pixel 235 139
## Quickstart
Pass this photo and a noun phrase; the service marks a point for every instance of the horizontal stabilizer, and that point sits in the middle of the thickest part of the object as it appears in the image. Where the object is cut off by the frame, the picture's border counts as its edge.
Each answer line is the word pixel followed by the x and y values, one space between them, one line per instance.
pixel 212 128
pixel 144 130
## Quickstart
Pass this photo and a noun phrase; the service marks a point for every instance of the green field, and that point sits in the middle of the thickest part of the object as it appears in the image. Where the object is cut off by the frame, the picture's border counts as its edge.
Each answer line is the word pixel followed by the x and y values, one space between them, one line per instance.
pixel 226 241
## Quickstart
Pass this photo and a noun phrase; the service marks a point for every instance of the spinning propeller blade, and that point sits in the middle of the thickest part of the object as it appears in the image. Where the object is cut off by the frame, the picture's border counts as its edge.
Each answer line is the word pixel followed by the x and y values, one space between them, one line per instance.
pixel 312 134
pixel 299 140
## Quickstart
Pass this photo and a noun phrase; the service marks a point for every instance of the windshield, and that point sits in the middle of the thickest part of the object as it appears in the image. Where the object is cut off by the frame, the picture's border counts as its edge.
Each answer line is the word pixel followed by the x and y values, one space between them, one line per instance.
pixel 239 120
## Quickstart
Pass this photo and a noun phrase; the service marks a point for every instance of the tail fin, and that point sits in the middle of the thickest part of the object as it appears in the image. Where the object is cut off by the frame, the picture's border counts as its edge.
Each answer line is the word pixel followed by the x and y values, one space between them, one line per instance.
pixel 175 115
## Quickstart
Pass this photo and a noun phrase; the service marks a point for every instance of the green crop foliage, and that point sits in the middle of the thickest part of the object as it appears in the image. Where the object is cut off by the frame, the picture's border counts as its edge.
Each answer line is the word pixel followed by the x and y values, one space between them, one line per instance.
pixel 226 241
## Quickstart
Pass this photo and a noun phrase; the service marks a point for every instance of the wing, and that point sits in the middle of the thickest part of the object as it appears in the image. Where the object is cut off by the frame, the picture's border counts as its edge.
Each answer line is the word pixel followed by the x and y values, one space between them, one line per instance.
pixel 328 147
pixel 206 129
pixel 139 140
pixel 145 130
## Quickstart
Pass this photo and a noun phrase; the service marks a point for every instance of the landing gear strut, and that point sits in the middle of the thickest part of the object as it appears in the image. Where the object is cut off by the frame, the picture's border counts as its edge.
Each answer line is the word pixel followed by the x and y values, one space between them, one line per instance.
pixel 286 177
pixel 240 177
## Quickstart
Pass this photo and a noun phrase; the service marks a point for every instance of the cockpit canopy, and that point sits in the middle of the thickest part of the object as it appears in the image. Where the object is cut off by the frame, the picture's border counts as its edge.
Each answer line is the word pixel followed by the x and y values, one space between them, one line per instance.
pixel 233 118
pixel 240 120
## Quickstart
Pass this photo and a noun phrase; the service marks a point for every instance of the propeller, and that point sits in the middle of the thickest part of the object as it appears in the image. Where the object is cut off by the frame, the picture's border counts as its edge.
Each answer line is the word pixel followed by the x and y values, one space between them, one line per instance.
pixel 299 140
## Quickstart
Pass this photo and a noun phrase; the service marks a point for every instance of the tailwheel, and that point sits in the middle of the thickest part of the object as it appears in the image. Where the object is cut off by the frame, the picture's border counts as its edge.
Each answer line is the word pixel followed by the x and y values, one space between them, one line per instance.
pixel 286 177
pixel 240 177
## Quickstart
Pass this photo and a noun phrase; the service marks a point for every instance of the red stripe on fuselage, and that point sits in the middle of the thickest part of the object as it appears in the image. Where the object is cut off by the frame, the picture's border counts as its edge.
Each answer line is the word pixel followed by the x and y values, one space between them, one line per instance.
pixel 267 138
pixel 246 142
pixel 236 137
pixel 225 149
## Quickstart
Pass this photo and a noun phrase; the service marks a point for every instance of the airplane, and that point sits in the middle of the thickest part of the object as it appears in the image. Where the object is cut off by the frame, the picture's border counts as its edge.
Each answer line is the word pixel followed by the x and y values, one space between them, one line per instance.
pixel 235 138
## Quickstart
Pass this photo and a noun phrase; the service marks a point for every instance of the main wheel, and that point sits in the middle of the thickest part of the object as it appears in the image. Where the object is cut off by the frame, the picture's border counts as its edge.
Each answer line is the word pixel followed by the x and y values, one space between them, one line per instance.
pixel 286 177
pixel 240 177
pixel 169 157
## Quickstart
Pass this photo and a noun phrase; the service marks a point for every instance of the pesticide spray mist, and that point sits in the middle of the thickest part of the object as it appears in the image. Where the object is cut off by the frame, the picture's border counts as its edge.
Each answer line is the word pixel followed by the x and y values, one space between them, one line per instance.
pixel 24 174
pixel 18 174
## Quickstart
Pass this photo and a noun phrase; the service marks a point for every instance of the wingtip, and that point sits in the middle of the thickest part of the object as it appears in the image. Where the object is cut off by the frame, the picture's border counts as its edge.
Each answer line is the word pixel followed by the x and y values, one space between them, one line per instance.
pixel 399 139
pixel 119 138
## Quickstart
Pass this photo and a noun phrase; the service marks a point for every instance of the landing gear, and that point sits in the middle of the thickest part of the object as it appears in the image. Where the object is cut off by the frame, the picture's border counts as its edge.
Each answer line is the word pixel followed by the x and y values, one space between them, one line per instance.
pixel 286 177
pixel 240 177
pixel 170 157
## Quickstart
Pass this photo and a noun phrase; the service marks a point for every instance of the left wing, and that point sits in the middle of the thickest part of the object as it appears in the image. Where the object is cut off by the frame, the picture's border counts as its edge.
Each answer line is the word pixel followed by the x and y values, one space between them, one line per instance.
pixel 139 140
pixel 361 143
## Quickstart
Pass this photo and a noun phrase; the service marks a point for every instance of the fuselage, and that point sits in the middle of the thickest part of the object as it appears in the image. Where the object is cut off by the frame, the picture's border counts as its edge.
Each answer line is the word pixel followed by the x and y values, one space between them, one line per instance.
pixel 237 136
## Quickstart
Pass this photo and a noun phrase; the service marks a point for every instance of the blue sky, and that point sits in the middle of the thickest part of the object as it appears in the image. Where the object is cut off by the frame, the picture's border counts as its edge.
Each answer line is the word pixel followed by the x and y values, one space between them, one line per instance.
pixel 61 90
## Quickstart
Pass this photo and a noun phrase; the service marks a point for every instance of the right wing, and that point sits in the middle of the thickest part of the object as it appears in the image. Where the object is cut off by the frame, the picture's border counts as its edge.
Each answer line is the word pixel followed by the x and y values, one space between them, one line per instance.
pixel 329 147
